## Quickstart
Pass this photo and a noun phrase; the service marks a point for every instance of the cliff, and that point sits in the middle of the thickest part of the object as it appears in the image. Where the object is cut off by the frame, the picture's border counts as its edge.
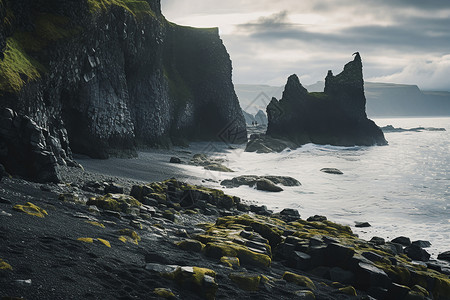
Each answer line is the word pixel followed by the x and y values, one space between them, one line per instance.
pixel 336 116
pixel 115 74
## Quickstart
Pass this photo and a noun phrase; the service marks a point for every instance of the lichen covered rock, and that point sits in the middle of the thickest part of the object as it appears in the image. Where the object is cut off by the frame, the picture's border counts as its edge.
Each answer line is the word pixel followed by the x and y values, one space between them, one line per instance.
pixel 114 202
pixel 31 209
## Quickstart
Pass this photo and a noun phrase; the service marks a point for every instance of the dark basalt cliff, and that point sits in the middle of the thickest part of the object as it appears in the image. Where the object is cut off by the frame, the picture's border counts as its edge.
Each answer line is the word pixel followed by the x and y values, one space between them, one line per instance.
pixel 336 117
pixel 114 73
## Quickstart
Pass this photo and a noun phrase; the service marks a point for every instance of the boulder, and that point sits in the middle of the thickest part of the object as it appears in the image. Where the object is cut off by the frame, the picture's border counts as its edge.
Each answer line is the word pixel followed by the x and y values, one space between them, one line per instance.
pixel 317 218
pixel 290 214
pixel 369 276
pixel 402 240
pixel 267 185
pixel 421 244
pixel 343 276
pixel 175 160
pixel 261 143
pixel 332 171
pixel 377 240
pixel 251 180
pixel 416 253
pixel 362 224
pixel 444 256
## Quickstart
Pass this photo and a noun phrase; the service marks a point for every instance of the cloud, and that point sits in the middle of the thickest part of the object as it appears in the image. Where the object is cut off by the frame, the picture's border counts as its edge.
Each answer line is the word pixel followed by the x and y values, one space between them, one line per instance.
pixel 428 74
pixel 269 40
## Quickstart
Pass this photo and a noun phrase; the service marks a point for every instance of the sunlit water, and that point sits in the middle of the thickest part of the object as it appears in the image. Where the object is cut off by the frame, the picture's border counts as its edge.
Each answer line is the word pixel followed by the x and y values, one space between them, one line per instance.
pixel 400 189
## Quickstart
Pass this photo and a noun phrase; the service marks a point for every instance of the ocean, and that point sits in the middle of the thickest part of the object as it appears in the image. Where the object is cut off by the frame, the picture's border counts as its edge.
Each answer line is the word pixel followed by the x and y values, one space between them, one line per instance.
pixel 402 189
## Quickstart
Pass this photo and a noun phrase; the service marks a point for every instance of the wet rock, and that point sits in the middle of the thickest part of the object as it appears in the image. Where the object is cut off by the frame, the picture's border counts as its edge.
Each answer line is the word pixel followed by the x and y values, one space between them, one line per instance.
pixel 372 256
pixel 402 240
pixel 397 291
pixel 343 276
pixel 191 245
pixel 290 214
pixel 299 280
pixel 362 224
pixel 267 185
pixel 421 244
pixel 369 276
pixel 113 188
pixel 332 171
pixel 175 160
pixel 251 180
pixel 261 143
pixel 260 210
pixel 377 240
pixel 416 253
pixel 304 295
pixel 246 281
pixel 299 260
pixel 444 256
pixel 317 218
pixel 338 255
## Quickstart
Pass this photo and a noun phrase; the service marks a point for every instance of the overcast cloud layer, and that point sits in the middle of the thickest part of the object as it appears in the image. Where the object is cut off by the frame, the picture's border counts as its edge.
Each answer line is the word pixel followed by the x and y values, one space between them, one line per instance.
pixel 401 41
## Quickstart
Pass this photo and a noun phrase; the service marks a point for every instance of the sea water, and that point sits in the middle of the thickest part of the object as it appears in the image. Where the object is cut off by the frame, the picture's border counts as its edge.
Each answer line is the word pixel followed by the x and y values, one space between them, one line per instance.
pixel 400 189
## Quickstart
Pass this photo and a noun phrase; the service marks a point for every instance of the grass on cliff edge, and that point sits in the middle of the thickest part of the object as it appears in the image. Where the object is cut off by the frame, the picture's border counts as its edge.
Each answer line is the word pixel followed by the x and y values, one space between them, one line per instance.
pixel 136 8
pixel 19 66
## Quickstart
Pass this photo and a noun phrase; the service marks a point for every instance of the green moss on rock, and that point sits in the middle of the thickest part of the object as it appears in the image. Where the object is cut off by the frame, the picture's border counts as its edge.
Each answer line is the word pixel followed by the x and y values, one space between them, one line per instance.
pixel 115 202
pixel 5 266
pixel 17 68
pixel 129 235
pixel 31 209
pixel 246 281
pixel 348 290
pixel 299 280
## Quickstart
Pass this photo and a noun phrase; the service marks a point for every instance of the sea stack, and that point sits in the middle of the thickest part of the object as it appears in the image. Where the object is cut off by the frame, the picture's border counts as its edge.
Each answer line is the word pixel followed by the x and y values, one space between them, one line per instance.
pixel 336 116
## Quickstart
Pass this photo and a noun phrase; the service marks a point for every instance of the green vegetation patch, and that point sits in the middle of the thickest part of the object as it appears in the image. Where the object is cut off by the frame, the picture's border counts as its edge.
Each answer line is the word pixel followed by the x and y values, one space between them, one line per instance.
pixel 20 65
pixel 17 68
pixel 136 8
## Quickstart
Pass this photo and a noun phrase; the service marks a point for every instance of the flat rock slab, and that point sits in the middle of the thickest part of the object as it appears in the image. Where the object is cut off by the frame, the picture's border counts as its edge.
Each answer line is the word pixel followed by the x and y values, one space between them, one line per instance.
pixel 332 171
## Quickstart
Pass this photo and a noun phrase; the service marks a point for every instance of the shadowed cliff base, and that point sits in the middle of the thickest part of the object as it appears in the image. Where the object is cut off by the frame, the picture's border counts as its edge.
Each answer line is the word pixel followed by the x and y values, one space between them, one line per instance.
pixel 336 116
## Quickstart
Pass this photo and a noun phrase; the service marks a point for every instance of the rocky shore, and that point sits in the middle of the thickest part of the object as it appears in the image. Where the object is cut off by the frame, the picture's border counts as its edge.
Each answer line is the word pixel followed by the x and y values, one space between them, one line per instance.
pixel 99 237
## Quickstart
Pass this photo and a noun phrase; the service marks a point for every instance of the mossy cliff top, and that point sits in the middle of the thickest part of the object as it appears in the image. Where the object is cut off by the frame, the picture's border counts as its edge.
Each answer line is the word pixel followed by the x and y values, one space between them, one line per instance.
pixel 34 27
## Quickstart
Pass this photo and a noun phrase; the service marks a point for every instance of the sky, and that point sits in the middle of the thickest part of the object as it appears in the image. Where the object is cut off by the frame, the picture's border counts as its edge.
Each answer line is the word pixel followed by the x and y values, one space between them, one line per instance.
pixel 400 41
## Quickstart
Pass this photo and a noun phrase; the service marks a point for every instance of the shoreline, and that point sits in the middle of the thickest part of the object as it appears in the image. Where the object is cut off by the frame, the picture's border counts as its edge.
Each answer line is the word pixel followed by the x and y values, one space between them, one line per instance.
pixel 269 247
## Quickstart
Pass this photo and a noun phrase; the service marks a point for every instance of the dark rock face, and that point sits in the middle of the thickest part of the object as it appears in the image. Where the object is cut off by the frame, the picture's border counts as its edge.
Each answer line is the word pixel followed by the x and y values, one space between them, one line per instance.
pixel 120 76
pixel 337 116
pixel 30 151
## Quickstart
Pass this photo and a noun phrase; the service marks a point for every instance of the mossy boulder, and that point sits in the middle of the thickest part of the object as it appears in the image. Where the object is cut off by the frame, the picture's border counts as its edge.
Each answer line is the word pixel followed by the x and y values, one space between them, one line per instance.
pixel 164 293
pixel 246 256
pixel 200 280
pixel 299 280
pixel 115 202
pixel 230 261
pixel 246 281
pixel 348 290
pixel 191 245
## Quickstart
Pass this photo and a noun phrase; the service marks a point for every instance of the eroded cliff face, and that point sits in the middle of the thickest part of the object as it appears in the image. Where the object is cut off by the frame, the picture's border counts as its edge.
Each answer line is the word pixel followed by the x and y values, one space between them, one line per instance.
pixel 336 117
pixel 115 74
